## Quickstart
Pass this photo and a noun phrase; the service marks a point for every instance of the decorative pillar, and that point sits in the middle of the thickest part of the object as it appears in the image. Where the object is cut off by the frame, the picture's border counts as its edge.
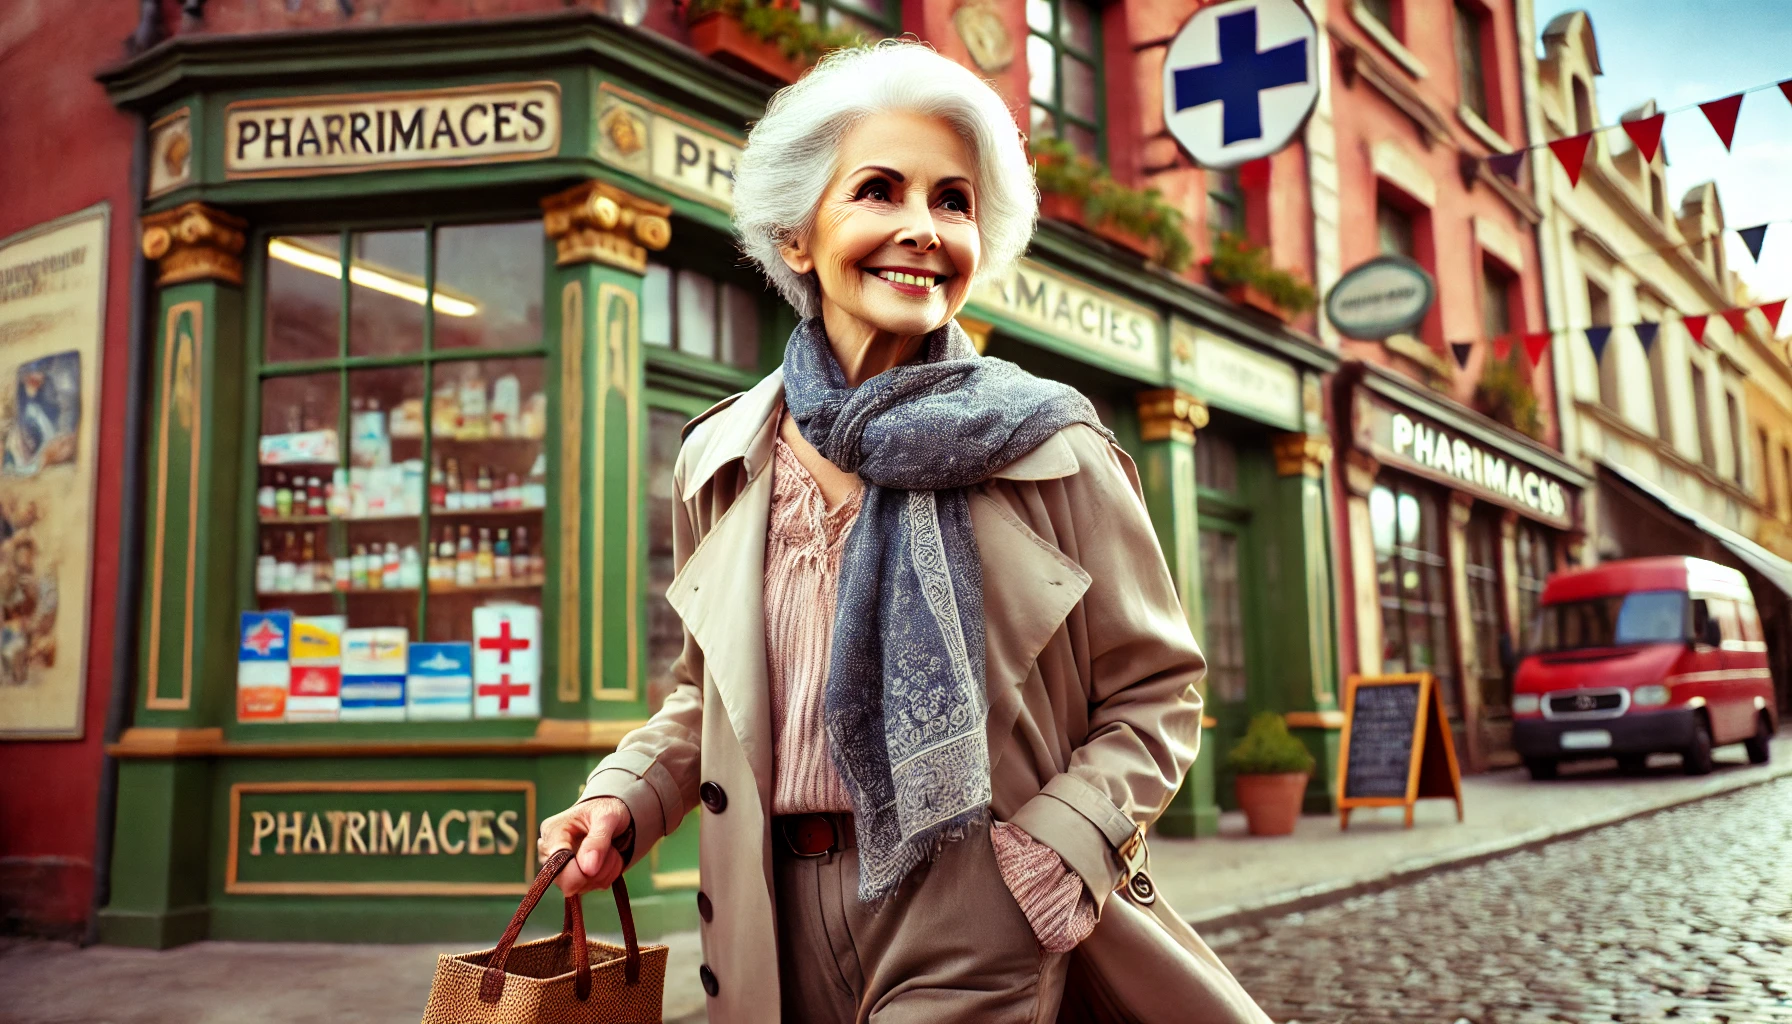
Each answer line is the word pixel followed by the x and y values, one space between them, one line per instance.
pixel 1462 623
pixel 1168 419
pixel 1303 665
pixel 187 661
pixel 1360 470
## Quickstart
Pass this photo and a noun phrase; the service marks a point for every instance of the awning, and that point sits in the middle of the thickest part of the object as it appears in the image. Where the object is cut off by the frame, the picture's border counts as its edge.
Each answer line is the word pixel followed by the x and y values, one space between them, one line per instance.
pixel 1777 570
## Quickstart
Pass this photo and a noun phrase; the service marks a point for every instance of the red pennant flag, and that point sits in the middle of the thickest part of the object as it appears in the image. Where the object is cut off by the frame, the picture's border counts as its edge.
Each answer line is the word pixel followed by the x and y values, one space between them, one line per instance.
pixel 1572 151
pixel 1786 88
pixel 1502 346
pixel 1695 326
pixel 1737 319
pixel 1722 115
pixel 1772 311
pixel 1646 134
pixel 1535 344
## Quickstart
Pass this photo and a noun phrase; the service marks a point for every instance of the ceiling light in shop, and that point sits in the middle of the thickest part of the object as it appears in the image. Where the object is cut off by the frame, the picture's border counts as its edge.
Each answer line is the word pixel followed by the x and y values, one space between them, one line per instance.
pixel 366 277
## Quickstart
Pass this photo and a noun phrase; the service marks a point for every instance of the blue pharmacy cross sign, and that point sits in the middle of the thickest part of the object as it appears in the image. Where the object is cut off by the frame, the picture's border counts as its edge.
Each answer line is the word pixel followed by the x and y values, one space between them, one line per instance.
pixel 1240 80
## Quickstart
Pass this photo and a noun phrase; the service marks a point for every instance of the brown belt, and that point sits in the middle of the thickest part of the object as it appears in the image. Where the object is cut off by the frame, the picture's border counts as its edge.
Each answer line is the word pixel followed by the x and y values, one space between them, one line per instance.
pixel 814 835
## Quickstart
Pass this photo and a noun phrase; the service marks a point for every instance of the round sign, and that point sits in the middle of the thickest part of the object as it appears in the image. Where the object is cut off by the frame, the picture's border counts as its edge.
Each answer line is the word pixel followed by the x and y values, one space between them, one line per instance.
pixel 1240 79
pixel 1385 296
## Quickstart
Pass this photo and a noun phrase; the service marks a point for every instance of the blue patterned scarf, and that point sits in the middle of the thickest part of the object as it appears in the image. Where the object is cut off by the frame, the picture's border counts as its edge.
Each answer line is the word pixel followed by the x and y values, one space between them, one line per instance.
pixel 904 702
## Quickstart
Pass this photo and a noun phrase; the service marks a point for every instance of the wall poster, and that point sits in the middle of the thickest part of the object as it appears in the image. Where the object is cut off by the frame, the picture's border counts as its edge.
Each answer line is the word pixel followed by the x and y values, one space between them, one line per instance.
pixel 52 327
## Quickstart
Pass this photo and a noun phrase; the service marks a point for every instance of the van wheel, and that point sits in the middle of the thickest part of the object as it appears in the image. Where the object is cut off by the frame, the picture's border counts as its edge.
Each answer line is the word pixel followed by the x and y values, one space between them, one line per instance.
pixel 1696 759
pixel 1541 768
pixel 1757 745
pixel 1633 764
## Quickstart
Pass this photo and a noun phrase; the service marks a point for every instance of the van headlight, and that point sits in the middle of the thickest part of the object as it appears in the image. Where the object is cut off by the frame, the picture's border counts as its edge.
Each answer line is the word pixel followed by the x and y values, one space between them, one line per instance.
pixel 1653 696
pixel 1526 704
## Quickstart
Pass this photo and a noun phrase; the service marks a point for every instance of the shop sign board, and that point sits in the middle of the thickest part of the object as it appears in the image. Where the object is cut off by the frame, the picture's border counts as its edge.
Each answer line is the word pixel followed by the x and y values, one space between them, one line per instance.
pixel 425 837
pixel 678 153
pixel 1085 318
pixel 353 132
pixel 1400 438
pixel 1379 298
pixel 1241 379
pixel 1240 80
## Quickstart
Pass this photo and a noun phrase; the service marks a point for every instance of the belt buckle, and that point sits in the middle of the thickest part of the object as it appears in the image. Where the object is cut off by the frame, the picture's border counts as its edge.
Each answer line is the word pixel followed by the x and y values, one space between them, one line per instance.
pixel 798 820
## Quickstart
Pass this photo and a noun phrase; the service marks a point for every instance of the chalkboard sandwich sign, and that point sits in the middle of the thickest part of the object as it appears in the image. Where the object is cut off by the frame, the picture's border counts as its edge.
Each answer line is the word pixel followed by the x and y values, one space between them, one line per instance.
pixel 1397 747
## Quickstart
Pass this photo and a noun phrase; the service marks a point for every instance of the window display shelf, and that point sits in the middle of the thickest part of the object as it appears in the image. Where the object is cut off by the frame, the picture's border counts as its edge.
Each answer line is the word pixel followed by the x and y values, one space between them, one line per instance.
pixel 434 513
pixel 487 586
pixel 298 520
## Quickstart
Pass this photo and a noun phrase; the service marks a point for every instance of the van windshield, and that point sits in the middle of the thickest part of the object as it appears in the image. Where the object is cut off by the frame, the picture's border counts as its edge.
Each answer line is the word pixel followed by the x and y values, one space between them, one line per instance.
pixel 1642 617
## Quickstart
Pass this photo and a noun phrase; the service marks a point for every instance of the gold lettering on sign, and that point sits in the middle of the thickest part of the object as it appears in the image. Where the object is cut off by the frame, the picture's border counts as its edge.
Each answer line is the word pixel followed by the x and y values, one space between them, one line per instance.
pixel 1091 320
pixel 483 831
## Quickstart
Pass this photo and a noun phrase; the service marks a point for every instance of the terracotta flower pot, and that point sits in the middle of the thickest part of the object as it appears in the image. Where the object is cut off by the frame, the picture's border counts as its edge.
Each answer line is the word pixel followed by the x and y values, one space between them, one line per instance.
pixel 1058 206
pixel 1246 295
pixel 1271 802
pixel 721 36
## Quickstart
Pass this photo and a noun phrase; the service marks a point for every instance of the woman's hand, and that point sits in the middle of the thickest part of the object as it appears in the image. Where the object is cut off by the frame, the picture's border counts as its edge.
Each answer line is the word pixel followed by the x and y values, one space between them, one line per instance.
pixel 591 827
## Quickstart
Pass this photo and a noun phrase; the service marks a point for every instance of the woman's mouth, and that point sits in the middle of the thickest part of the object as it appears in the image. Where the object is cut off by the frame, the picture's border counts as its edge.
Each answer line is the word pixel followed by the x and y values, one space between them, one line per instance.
pixel 909 282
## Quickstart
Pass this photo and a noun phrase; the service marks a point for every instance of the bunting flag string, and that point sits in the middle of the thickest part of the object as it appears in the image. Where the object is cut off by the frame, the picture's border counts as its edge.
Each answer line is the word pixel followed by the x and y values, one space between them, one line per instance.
pixel 1461 350
pixel 1645 133
pixel 1599 336
pixel 1695 326
pixel 1645 333
pixel 1772 311
pixel 1753 237
pixel 1535 344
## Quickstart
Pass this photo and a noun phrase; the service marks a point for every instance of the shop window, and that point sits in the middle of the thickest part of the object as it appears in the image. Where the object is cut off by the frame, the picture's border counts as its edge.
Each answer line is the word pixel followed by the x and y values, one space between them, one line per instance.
pixel 402 476
pixel 1733 417
pixel 1658 373
pixel 665 632
pixel 1484 603
pixel 1064 73
pixel 1216 463
pixel 1701 410
pixel 1412 572
pixel 1470 62
pixel 1223 613
pixel 691 312
pixel 1767 497
pixel 1394 229
pixel 1225 203
pixel 874 18
pixel 1583 106
pixel 1657 198
pixel 1385 11
pixel 1536 560
pixel 1497 286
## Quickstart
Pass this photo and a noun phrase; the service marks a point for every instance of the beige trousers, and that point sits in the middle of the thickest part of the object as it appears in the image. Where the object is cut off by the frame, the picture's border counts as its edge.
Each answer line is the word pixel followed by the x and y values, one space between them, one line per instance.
pixel 951 945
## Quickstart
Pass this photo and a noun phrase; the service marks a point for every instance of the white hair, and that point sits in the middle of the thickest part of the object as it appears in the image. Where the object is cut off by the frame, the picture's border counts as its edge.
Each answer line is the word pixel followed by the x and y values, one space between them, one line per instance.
pixel 792 154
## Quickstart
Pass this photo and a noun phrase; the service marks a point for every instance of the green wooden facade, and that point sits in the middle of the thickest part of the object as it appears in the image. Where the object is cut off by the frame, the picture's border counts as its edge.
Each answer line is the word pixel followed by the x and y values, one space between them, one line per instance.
pixel 203 799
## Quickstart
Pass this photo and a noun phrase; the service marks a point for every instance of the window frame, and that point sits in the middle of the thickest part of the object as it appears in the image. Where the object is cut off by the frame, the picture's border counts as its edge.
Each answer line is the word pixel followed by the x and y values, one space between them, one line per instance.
pixel 826 10
pixel 1467 16
pixel 1225 191
pixel 1062 51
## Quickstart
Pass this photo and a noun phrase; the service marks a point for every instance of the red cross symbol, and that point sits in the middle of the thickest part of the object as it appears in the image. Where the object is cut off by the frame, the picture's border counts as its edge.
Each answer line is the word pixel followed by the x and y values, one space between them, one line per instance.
pixel 504 689
pixel 503 643
pixel 263 638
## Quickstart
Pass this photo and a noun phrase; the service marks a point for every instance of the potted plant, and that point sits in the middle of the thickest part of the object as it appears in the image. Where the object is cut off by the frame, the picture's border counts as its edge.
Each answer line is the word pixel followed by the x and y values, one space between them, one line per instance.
pixel 1270 771
pixel 1243 272
pixel 768 38
pixel 1077 190
pixel 1506 396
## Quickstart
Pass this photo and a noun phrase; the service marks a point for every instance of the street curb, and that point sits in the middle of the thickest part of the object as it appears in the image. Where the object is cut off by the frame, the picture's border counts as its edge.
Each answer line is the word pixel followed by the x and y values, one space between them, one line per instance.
pixel 1322 894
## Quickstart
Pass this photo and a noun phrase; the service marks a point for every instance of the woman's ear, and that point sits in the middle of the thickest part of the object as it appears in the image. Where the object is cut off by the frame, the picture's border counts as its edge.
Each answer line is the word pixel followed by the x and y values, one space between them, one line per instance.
pixel 796 256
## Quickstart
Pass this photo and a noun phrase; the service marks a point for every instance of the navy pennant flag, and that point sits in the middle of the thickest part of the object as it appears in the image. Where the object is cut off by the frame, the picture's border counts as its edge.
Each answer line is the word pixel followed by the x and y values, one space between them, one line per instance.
pixel 1753 237
pixel 1506 165
pixel 1597 337
pixel 1645 333
pixel 1461 350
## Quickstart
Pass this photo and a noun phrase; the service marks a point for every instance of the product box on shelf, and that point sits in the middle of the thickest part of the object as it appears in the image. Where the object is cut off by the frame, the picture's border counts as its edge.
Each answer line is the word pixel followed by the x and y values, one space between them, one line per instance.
pixel 311 446
pixel 507 661
pixel 373 670
pixel 316 669
pixel 263 663
pixel 439 685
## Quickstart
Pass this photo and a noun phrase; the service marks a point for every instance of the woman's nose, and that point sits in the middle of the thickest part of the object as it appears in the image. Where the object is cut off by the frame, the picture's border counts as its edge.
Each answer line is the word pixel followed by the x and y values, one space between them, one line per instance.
pixel 917 227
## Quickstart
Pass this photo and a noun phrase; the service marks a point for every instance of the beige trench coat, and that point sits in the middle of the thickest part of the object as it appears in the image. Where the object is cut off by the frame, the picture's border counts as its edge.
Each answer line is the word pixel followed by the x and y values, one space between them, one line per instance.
pixel 1093 712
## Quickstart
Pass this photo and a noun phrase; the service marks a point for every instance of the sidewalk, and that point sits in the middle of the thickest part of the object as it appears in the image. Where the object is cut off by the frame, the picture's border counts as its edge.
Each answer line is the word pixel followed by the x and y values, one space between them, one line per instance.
pixel 1217 883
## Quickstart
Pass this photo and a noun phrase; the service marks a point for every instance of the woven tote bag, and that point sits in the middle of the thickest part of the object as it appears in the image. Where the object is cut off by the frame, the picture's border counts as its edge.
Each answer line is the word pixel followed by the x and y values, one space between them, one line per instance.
pixel 567 979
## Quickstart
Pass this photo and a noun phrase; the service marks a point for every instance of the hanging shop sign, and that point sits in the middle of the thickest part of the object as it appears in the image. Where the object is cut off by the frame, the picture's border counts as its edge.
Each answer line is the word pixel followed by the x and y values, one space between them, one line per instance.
pixel 677 152
pixel 1241 79
pixel 422 837
pixel 1243 380
pixel 1085 318
pixel 1400 438
pixel 1380 298
pixel 345 134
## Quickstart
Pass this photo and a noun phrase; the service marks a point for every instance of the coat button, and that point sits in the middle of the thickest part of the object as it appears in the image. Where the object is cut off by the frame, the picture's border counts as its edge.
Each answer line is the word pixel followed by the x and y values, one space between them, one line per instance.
pixel 713 797
pixel 705 909
pixel 709 979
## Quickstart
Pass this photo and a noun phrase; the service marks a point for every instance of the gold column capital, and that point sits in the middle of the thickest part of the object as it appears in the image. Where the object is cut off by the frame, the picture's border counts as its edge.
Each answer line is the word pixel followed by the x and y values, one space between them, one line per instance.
pixel 1302 454
pixel 195 242
pixel 1167 414
pixel 599 223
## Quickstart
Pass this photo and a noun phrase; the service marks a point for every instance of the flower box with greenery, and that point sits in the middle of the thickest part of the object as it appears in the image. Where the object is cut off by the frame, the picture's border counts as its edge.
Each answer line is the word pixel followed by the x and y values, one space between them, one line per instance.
pixel 1505 394
pixel 1270 771
pixel 1078 190
pixel 1243 272
pixel 766 37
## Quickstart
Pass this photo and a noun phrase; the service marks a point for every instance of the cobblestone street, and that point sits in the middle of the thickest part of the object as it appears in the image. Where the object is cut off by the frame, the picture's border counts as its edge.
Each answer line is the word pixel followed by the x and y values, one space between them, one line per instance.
pixel 1683 916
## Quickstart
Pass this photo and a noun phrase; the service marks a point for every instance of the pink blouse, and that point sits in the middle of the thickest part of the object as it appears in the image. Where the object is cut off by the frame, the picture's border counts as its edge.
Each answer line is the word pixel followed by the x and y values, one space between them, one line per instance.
pixel 802 568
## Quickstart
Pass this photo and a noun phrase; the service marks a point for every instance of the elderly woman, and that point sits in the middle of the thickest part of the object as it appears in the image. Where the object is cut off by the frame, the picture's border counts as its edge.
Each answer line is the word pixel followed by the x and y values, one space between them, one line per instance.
pixel 936 681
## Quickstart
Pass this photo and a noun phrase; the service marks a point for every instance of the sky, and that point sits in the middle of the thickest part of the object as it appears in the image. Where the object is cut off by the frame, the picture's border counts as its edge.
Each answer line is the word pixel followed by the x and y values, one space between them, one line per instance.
pixel 1682 52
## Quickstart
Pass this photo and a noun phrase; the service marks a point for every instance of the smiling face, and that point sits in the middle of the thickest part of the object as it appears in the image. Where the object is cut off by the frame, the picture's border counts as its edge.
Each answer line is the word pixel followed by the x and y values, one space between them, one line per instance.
pixel 895 243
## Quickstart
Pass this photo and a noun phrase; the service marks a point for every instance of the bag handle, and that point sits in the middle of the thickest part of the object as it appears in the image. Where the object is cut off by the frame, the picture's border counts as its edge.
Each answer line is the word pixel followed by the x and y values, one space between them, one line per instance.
pixel 491 984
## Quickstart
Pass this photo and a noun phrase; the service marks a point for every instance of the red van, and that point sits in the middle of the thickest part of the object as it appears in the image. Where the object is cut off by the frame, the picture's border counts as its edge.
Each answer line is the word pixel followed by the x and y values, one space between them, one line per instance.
pixel 1643 656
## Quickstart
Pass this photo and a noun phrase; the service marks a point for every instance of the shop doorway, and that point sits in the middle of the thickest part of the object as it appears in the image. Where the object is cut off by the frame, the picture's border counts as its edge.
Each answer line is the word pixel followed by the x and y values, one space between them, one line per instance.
pixel 1229 593
pixel 1486 608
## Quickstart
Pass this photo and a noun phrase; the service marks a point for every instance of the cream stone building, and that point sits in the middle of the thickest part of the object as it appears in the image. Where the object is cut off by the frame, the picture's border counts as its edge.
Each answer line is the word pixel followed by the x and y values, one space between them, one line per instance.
pixel 1691 446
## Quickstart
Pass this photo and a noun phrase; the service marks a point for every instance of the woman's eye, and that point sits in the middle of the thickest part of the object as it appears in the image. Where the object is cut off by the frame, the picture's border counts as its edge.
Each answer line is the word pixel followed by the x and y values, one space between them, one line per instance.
pixel 877 190
pixel 955 201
